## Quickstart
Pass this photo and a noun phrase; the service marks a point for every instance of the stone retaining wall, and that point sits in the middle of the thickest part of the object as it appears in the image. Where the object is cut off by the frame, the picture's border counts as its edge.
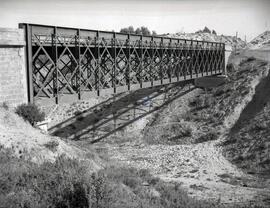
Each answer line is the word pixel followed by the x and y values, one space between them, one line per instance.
pixel 13 83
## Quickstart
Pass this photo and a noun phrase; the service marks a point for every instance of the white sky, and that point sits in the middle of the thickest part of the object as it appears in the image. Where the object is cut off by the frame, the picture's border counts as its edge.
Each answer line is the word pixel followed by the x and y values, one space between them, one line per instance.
pixel 248 17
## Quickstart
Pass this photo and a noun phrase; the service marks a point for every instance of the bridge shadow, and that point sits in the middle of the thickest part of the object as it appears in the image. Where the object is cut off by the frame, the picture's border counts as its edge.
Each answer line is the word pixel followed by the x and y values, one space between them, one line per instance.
pixel 114 114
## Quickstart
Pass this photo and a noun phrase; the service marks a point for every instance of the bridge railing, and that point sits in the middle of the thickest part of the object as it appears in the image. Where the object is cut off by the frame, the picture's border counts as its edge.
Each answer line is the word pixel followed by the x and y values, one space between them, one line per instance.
pixel 78 62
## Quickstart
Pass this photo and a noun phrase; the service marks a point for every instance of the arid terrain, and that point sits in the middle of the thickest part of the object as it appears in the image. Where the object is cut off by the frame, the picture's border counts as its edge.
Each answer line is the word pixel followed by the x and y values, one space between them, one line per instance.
pixel 187 147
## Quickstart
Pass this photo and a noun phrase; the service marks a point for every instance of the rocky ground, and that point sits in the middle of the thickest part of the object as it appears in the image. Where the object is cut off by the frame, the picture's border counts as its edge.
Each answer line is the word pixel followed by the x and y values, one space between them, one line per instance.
pixel 184 139
pixel 261 42
pixel 184 142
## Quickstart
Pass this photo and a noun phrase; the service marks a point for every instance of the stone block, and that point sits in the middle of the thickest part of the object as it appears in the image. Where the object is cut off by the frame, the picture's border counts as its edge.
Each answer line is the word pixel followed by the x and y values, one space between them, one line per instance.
pixel 13 88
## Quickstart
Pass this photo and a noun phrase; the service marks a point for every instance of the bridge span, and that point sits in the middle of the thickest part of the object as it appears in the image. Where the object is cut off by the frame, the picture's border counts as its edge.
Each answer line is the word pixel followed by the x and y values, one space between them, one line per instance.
pixel 66 64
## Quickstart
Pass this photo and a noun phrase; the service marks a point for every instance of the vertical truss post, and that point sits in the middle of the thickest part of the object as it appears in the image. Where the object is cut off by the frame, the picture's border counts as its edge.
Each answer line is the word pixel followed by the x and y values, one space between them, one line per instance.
pixel 78 54
pixel 141 64
pixel 211 58
pixel 161 63
pixel 196 53
pixel 185 59
pixel 215 58
pixel 128 42
pixel 219 55
pixel 177 49
pixel 170 63
pixel 192 54
pixel 55 60
pixel 29 62
pixel 97 55
pixel 114 63
pixel 151 61
pixel 202 57
pixel 206 65
pixel 223 60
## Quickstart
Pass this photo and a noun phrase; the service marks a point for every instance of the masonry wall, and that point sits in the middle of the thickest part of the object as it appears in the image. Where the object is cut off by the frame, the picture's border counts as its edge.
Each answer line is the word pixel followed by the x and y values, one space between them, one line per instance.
pixel 13 83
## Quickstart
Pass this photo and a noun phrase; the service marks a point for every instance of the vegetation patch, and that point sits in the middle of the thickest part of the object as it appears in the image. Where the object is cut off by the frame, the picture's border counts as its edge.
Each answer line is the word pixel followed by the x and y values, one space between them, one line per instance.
pixel 171 132
pixel 67 183
pixel 52 145
pixel 4 105
pixel 30 112
pixel 212 135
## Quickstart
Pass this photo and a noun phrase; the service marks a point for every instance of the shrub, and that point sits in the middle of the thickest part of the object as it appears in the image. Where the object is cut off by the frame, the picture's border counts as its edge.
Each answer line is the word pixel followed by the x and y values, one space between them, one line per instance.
pixel 212 135
pixel 259 126
pixel 77 113
pixel 64 184
pixel 131 182
pixel 202 101
pixel 185 131
pixel 230 68
pixel 52 145
pixel 5 105
pixel 188 116
pixel 249 59
pixel 30 113
pixel 222 90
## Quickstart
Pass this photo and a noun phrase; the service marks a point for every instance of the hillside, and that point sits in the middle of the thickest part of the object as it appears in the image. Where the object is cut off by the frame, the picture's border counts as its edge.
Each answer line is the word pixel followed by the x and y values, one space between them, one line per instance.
pixel 34 145
pixel 228 40
pixel 261 42
pixel 247 143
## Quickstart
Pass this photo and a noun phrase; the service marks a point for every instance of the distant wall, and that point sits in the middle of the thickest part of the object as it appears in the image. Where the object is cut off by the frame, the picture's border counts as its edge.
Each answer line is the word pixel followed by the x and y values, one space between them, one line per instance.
pixel 13 84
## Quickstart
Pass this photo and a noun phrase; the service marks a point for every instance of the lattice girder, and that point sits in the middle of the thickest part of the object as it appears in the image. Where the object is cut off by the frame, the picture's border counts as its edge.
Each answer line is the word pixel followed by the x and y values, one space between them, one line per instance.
pixel 67 61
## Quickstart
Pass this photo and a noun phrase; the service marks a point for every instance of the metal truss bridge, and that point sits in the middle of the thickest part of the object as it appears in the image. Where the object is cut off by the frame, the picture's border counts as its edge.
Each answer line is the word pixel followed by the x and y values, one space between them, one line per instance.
pixel 68 63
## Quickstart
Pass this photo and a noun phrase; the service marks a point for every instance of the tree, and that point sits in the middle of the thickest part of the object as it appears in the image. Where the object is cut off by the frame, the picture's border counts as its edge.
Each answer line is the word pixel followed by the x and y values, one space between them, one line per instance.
pixel 128 30
pixel 131 29
pixel 138 31
pixel 206 30
pixel 145 31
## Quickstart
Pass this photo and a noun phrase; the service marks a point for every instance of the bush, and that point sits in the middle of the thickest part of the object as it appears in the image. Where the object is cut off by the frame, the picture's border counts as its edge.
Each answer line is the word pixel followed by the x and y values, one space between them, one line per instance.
pixel 249 59
pixel 259 126
pixel 222 90
pixel 252 58
pixel 63 184
pixel 52 145
pixel 5 105
pixel 30 113
pixel 202 101
pixel 212 135
pixel 230 68
pixel 185 130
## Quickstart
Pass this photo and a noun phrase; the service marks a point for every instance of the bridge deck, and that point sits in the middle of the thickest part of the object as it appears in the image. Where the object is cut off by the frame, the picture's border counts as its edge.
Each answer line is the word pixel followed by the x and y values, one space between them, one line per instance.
pixel 77 62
